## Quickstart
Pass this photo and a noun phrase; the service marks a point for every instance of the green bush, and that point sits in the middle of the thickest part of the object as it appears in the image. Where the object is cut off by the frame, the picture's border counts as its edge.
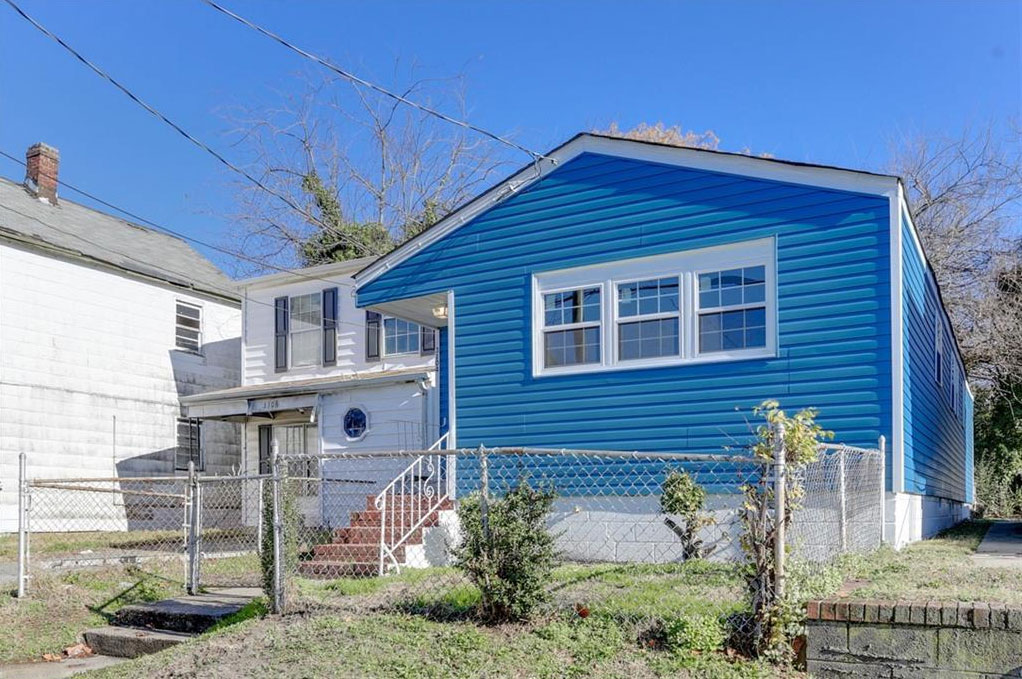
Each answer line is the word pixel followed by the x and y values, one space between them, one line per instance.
pixel 681 496
pixel 511 558
pixel 706 633
pixel 291 520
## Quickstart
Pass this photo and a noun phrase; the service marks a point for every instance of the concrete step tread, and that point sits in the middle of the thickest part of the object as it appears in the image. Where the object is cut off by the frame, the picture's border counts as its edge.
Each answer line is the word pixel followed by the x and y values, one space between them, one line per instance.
pixel 188 614
pixel 131 642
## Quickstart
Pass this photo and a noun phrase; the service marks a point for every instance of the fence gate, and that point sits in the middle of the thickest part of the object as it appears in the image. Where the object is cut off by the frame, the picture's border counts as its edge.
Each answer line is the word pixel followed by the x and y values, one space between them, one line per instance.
pixel 228 528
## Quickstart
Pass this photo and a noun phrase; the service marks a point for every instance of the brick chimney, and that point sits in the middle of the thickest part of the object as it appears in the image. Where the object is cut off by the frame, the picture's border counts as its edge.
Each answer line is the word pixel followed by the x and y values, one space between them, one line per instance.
pixel 41 164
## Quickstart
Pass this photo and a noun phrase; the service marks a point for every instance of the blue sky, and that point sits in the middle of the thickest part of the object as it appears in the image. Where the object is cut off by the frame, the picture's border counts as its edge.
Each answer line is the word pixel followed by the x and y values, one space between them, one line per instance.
pixel 829 82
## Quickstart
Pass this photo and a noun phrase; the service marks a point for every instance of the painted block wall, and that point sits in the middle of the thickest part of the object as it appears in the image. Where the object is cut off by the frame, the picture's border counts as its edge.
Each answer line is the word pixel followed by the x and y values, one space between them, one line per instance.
pixel 90 378
pixel 937 439
pixel 834 308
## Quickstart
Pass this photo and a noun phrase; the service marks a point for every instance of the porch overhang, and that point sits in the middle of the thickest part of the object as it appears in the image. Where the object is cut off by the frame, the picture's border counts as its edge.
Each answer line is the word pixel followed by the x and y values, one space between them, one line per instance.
pixel 267 401
pixel 428 310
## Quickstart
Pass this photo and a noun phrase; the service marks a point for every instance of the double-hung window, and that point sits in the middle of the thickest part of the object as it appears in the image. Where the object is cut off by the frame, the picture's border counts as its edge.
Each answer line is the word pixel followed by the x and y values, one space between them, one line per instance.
pixel 649 323
pixel 732 309
pixel 571 327
pixel 306 326
pixel 713 304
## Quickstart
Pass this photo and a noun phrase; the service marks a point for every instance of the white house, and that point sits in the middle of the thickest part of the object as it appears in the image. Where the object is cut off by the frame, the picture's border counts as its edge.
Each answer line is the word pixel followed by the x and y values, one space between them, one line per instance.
pixel 104 325
pixel 320 376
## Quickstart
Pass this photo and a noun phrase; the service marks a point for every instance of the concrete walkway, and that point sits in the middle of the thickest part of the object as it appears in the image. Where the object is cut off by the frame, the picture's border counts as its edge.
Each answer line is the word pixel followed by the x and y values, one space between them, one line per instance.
pixel 57 670
pixel 1002 546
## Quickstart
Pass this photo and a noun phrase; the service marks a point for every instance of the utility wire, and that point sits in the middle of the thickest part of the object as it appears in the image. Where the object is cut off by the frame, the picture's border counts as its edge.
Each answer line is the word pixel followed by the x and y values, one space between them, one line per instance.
pixel 168 230
pixel 365 83
pixel 231 292
pixel 180 130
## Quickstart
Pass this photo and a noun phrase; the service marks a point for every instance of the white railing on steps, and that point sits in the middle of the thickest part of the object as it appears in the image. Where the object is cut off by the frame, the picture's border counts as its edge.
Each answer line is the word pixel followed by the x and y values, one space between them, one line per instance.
pixel 408 501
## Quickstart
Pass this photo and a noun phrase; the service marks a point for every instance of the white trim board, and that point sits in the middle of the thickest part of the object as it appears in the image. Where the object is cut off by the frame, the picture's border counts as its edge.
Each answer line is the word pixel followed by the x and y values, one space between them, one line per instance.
pixel 713 161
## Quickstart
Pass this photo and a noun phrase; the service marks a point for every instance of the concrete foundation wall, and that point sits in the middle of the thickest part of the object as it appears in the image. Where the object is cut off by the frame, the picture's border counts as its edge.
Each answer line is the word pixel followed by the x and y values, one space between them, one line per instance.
pixel 945 640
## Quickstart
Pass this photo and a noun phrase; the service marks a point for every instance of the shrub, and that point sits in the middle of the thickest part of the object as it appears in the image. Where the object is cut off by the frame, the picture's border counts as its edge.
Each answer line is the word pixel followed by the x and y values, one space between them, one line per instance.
pixel 681 496
pixel 511 557
pixel 773 619
pixel 706 633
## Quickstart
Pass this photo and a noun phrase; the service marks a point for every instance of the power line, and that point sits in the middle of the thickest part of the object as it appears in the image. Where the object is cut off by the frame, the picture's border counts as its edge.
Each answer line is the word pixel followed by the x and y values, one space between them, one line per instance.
pixel 298 274
pixel 365 83
pixel 166 229
pixel 180 130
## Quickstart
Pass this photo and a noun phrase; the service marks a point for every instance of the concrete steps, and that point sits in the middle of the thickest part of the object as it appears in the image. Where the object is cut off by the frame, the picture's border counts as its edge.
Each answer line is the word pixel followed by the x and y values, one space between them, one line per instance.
pixel 131 642
pixel 141 629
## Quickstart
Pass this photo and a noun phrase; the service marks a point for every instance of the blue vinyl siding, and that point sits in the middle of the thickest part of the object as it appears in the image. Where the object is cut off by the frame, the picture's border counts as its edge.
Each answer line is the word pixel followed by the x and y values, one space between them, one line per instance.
pixel 935 436
pixel 970 461
pixel 833 278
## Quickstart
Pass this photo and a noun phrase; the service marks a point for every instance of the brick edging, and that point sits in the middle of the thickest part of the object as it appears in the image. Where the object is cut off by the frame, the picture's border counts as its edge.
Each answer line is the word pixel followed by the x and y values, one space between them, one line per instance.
pixel 970 615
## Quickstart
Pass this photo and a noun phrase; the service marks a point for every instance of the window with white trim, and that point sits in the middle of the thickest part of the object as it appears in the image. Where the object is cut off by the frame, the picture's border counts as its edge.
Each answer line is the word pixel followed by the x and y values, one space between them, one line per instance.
pixel 732 309
pixel 305 329
pixel 713 304
pixel 649 319
pixel 571 327
pixel 188 327
pixel 400 336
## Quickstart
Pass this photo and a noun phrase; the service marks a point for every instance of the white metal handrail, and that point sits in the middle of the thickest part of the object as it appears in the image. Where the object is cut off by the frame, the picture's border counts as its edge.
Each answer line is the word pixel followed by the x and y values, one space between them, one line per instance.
pixel 408 501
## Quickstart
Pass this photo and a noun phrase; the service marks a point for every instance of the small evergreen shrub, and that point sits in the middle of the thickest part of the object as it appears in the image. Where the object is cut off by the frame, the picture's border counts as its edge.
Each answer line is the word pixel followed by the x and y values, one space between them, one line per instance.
pixel 511 559
pixel 705 633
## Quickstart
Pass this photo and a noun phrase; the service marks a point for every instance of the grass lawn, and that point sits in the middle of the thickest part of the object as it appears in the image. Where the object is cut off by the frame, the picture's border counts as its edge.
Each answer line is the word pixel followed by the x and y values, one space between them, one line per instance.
pixel 938 569
pixel 407 646
pixel 65 604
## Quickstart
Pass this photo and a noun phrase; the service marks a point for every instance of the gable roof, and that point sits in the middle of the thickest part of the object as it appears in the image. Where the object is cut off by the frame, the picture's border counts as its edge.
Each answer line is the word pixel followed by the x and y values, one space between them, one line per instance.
pixel 76 231
pixel 824 176
pixel 328 271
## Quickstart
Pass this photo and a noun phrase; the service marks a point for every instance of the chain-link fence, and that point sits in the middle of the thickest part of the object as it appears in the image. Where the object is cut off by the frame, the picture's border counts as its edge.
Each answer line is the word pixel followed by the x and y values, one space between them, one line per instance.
pixel 640 537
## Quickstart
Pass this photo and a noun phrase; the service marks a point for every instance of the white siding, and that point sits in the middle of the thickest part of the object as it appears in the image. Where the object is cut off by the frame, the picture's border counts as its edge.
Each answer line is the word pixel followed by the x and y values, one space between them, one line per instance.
pixel 351 350
pixel 90 377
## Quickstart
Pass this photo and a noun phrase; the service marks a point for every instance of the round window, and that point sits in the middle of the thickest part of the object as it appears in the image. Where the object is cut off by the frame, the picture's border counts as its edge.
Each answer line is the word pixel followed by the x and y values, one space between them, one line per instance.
pixel 355 422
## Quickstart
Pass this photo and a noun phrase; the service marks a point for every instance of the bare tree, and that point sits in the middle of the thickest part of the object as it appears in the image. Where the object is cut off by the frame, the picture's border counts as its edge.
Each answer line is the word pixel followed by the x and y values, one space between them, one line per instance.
pixel 662 134
pixel 965 194
pixel 370 170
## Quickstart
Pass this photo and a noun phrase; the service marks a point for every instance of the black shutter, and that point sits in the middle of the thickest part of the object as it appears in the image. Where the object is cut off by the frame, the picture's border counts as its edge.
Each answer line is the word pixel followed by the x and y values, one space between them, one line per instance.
pixel 372 336
pixel 427 340
pixel 330 326
pixel 280 334
pixel 265 441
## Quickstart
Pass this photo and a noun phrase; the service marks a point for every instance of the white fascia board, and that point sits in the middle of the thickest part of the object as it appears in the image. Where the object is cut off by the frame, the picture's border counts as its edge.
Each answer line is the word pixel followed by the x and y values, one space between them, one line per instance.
pixel 897 446
pixel 341 271
pixel 713 161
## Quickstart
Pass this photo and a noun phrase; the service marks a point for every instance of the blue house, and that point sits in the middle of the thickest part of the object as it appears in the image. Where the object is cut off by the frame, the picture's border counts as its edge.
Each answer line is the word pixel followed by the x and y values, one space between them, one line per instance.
pixel 627 295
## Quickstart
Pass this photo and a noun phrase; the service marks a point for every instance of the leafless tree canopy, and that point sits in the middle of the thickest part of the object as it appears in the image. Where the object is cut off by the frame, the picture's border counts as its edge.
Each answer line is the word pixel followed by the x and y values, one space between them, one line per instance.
pixel 368 170
pixel 965 193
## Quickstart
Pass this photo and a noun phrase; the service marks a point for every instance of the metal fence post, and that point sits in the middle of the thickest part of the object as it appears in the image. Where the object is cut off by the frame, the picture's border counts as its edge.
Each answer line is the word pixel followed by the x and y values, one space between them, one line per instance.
pixel 259 515
pixel 843 521
pixel 22 524
pixel 780 483
pixel 484 498
pixel 194 503
pixel 882 444
pixel 278 530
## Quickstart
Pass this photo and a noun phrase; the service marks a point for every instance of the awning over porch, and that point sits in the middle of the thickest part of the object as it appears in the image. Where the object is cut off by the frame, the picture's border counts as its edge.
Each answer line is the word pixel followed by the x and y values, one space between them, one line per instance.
pixel 429 310
pixel 264 400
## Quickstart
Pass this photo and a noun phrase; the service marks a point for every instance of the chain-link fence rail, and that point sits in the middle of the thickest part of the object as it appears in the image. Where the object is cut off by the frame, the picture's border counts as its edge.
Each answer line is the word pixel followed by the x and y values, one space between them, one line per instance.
pixel 644 537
